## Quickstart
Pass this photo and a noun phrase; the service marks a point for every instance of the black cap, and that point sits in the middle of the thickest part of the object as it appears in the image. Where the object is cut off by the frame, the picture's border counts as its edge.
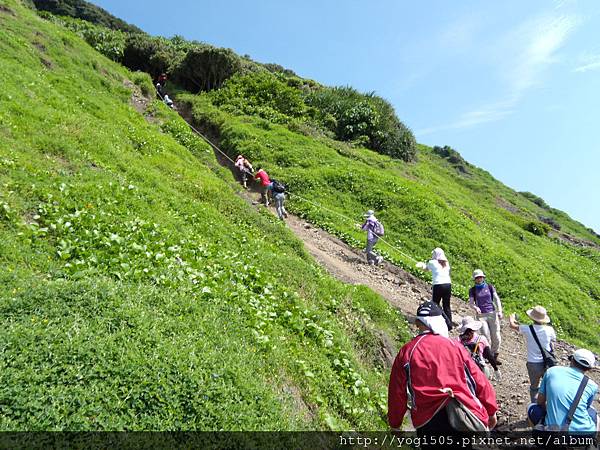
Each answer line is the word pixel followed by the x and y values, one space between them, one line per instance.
pixel 429 309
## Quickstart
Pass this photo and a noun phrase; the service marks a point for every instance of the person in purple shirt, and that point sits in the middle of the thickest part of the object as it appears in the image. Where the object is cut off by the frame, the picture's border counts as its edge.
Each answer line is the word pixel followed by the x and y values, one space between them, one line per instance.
pixel 484 299
pixel 374 231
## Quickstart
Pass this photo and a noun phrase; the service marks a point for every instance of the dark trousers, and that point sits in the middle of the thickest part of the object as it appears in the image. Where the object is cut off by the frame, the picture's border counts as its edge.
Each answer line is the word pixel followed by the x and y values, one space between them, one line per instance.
pixel 442 292
pixel 437 433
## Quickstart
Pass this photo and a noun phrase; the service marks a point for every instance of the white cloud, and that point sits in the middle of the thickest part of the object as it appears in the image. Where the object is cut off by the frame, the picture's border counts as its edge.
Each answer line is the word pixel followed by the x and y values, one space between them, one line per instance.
pixel 521 58
pixel 588 62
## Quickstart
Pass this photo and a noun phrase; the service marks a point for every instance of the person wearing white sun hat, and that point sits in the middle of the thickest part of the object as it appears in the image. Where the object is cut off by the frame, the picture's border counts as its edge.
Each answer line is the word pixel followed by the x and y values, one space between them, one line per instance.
pixel 478 347
pixel 545 335
pixel 439 267
pixel 559 393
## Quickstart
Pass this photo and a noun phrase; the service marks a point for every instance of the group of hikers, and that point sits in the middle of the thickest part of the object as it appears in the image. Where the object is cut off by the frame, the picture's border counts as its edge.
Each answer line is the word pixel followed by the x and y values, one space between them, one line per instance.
pixel 269 188
pixel 446 381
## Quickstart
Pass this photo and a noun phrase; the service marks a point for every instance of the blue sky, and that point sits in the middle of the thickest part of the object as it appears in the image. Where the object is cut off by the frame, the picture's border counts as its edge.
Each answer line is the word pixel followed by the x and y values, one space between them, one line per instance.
pixel 514 86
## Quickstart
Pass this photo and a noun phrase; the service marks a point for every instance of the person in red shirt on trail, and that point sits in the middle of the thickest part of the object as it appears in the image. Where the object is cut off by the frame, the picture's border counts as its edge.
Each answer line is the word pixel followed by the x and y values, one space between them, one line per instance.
pixel 265 182
pixel 428 372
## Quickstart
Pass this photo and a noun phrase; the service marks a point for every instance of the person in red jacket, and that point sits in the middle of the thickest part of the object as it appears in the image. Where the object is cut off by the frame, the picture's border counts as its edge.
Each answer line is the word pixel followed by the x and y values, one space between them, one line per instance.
pixel 265 182
pixel 428 371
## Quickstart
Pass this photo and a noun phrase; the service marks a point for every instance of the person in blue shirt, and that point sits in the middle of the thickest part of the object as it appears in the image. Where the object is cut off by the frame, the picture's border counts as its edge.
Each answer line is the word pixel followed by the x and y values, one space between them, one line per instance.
pixel 557 393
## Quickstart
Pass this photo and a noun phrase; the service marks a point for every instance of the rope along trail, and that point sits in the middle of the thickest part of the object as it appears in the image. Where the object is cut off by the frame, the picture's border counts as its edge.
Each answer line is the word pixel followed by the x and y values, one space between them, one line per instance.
pixel 316 205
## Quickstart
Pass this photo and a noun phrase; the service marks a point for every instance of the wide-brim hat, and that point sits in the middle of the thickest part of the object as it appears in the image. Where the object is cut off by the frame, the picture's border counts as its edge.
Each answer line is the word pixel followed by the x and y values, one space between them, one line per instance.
pixel 469 323
pixel 539 314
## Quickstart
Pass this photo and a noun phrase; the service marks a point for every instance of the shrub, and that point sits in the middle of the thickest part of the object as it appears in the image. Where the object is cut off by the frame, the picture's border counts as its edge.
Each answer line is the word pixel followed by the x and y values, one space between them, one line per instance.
pixel 144 82
pixel 535 199
pixel 149 54
pixel 205 68
pixel 537 228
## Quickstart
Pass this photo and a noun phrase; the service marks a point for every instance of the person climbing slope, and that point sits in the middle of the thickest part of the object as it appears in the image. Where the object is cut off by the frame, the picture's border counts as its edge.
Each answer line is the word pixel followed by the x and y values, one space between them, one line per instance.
pixel 265 182
pixel 545 334
pixel 244 169
pixel 439 267
pixel 484 299
pixel 278 193
pixel 435 375
pixel 478 347
pixel 374 230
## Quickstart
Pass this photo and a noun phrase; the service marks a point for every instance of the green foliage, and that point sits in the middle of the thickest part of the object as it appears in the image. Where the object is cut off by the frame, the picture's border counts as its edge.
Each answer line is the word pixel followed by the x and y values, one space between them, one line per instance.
pixel 476 219
pixel 366 119
pixel 535 199
pixel 139 292
pixel 81 9
pixel 109 42
pixel 144 82
pixel 260 94
pixel 205 68
pixel 149 54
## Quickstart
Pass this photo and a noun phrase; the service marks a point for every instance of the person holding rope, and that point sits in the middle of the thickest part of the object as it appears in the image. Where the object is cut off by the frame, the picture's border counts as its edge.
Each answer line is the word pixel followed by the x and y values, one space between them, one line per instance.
pixel 374 230
pixel 265 183
pixel 244 169
pixel 442 285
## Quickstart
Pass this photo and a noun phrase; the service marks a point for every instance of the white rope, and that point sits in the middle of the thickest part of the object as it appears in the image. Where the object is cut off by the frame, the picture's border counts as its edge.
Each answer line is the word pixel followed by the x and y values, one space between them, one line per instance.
pixel 318 206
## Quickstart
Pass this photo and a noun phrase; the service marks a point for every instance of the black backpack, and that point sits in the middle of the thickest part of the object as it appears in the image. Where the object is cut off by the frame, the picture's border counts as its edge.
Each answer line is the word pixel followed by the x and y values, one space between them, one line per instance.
pixel 278 187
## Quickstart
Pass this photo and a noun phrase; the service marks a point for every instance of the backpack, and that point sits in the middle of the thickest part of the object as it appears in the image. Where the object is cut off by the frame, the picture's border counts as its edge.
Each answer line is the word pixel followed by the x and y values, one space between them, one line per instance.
pixel 378 229
pixel 475 355
pixel 278 187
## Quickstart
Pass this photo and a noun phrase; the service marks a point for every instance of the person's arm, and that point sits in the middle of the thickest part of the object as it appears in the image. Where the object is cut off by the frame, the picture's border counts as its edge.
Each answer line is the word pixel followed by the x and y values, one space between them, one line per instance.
pixel 514 324
pixel 472 302
pixel 497 304
pixel 365 226
pixel 397 396
pixel 541 396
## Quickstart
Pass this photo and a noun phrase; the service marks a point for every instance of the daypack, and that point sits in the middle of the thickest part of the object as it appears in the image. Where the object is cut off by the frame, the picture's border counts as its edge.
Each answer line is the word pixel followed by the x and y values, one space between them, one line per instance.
pixel 378 229
pixel 278 187
pixel 475 355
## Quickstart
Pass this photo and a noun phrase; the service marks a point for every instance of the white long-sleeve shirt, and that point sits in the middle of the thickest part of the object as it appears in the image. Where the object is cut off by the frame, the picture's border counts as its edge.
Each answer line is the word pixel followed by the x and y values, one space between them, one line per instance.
pixel 440 275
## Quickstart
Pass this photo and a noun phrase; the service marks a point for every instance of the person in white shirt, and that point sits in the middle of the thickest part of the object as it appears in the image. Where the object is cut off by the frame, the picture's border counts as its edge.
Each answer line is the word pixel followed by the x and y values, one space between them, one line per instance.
pixel 442 286
pixel 545 334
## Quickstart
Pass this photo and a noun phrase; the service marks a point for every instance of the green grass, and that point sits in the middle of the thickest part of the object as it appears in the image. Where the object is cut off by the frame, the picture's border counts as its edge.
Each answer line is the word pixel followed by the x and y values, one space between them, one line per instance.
pixel 140 293
pixel 477 220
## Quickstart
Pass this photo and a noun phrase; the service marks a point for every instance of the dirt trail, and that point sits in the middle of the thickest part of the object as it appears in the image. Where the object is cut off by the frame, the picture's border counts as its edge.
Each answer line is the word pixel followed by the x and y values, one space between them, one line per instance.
pixel 405 292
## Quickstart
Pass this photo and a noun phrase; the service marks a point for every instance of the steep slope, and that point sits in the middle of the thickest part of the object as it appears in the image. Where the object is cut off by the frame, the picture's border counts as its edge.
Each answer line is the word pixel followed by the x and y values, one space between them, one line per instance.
pixel 139 291
pixel 477 220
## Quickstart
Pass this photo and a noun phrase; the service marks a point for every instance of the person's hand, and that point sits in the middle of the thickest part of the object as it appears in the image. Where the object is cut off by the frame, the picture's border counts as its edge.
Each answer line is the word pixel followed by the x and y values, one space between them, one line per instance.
pixel 497 375
pixel 358 226
pixel 477 310
pixel 421 265
pixel 492 421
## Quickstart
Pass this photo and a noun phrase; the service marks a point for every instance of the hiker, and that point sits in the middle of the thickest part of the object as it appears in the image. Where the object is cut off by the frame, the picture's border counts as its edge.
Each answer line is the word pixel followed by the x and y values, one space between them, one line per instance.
pixel 277 189
pixel 484 299
pixel 434 374
pixel 244 169
pixel 162 80
pixel 442 286
pixel 161 90
pixel 539 336
pixel 565 398
pixel 168 101
pixel 374 230
pixel 265 182
pixel 478 347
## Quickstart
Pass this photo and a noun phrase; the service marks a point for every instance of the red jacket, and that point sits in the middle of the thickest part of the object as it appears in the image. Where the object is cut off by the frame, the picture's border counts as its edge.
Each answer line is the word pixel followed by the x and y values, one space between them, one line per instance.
pixel 264 178
pixel 436 363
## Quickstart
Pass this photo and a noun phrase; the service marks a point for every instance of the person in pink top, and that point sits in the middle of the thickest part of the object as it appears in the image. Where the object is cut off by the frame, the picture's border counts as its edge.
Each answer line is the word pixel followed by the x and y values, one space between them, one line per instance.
pixel 244 169
pixel 265 182
pixel 478 347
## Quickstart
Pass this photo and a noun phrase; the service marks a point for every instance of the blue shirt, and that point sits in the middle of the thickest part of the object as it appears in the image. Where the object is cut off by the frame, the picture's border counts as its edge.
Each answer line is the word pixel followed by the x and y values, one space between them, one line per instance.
pixel 559 386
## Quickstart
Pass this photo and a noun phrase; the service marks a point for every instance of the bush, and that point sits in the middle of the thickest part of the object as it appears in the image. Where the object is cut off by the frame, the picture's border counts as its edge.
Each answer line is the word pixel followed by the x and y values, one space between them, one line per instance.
pixel 537 228
pixel 535 199
pixel 205 68
pixel 149 54
pixel 363 118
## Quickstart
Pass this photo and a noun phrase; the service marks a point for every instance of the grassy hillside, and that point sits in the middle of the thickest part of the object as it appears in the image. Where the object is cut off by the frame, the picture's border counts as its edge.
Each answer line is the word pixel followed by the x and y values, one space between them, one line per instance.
pixel 139 292
pixel 435 202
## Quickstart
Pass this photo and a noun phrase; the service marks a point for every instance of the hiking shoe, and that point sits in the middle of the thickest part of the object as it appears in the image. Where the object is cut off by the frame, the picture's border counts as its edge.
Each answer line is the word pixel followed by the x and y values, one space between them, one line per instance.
pixel 379 260
pixel 371 263
pixel 285 215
